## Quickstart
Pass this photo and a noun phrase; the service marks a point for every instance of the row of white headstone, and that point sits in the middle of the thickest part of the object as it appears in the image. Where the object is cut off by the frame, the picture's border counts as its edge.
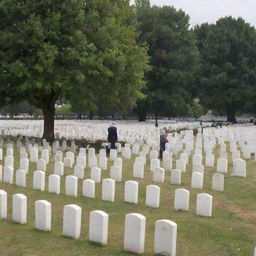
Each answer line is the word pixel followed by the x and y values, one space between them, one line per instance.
pixel 239 167
pixel 108 188
pixel 165 235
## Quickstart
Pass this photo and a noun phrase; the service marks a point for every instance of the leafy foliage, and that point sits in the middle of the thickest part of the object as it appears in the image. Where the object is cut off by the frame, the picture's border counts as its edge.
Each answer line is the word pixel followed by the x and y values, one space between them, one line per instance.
pixel 83 50
pixel 227 75
pixel 173 58
pixel 120 62
pixel 142 3
pixel 15 109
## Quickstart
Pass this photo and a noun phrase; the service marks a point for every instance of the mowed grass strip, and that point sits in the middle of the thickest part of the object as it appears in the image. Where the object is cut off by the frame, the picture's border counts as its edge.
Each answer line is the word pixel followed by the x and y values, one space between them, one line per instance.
pixel 230 231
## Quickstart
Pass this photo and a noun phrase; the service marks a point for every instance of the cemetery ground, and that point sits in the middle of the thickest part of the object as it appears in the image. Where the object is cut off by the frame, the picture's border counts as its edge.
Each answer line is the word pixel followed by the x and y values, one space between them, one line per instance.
pixel 230 231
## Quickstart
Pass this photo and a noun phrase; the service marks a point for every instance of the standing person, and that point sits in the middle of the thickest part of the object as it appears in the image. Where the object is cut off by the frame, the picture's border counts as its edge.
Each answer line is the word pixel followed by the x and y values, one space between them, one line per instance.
pixel 163 141
pixel 112 135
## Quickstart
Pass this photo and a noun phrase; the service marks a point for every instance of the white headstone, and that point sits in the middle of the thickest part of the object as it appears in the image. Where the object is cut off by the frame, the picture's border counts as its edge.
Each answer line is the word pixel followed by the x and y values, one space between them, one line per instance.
pixel 9 161
pixel 131 191
pixel 209 160
pixel 54 184
pixel 93 161
pixel 222 165
pixel 127 153
pixel 118 162
pixel 154 163
pixel 134 233
pixel 98 227
pixel 153 154
pixel 3 204
pixel 108 190
pixel 39 180
pixel 81 160
pixel 116 173
pixel 43 211
pixel 223 154
pixel 71 185
pixel 71 156
pixel 198 168
pixel 91 151
pixel 59 168
pixel 34 154
pixel 141 158
pixel 58 156
pixel 218 182
pixel 165 237
pixel 21 178
pixel 184 156
pixel 82 150
pixel 24 164
pixel 23 155
pixel 181 165
pixel 176 177
pixel 89 188
pixel 152 196
pixel 135 149
pixel 235 155
pixel 45 155
pixel 102 152
pixel 79 171
pixel 158 175
pixel 64 145
pixel 204 205
pixel 239 168
pixel 181 200
pixel 113 154
pixel 138 170
pixel 41 165
pixel 96 174
pixel 72 220
pixel 197 159
pixel 8 174
pixel 197 180
pixel 166 155
pixel 103 162
pixel 68 162
pixel 167 164
pixel 9 152
pixel 19 208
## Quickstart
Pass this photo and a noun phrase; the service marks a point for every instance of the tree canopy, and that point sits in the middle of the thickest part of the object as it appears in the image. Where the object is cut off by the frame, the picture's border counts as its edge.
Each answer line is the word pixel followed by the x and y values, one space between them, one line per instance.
pixel 142 3
pixel 228 58
pixel 83 50
pixel 173 59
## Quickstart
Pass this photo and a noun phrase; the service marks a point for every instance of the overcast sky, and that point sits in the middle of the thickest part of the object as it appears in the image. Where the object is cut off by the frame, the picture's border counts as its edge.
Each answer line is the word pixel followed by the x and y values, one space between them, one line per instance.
pixel 201 11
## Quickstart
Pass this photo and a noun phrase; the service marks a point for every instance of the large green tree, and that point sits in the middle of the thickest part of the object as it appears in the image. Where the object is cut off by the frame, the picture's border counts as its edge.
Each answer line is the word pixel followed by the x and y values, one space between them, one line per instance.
pixel 173 59
pixel 121 61
pixel 15 109
pixel 227 78
pixel 79 49
pixel 142 3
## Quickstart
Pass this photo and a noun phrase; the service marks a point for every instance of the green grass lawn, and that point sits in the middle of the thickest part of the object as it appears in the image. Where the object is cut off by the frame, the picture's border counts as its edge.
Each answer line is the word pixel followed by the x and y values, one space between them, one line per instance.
pixel 230 231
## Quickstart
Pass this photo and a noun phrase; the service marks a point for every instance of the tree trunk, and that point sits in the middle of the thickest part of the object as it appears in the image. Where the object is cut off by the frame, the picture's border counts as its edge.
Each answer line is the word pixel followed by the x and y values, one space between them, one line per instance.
pixel 156 121
pixel 49 113
pixel 231 114
pixel 79 116
pixel 141 118
pixel 91 115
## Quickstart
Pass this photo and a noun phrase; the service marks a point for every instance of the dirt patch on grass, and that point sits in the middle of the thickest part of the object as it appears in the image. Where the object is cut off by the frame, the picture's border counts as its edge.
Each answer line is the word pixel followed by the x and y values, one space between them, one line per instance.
pixel 241 213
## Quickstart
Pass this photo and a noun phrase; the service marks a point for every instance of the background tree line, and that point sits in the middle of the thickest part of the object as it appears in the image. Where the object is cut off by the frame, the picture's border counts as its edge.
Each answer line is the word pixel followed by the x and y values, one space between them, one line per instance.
pixel 98 57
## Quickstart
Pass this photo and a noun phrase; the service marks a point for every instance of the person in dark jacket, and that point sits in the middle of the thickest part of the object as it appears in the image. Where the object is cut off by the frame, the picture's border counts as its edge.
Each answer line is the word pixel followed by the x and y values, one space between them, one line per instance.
pixel 163 141
pixel 112 135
